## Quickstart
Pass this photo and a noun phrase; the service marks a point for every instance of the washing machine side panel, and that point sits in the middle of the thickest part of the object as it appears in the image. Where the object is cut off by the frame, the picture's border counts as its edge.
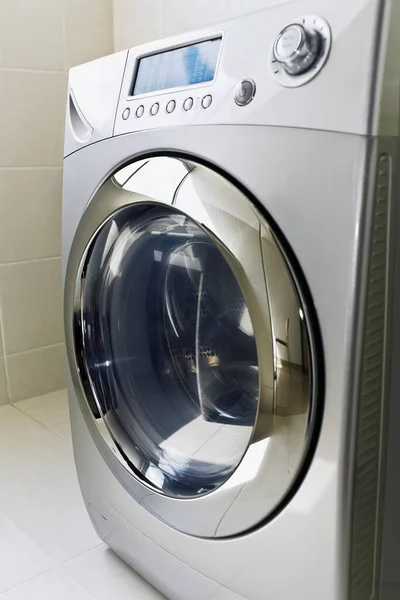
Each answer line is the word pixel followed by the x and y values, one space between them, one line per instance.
pixel 313 185
pixel 372 327
pixel 391 529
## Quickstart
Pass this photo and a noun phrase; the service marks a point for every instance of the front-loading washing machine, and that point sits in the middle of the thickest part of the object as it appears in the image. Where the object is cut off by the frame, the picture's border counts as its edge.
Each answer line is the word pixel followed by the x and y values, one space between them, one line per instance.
pixel 229 255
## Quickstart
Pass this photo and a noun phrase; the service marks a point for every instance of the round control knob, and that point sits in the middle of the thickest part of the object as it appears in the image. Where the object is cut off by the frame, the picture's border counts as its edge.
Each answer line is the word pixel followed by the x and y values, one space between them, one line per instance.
pixel 297 49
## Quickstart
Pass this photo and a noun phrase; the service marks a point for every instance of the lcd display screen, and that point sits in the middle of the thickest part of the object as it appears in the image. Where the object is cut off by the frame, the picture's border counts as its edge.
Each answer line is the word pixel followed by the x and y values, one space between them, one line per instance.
pixel 180 67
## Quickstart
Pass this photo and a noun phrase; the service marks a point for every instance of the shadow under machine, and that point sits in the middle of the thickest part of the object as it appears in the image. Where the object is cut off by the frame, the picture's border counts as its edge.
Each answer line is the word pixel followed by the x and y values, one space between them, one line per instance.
pixel 229 226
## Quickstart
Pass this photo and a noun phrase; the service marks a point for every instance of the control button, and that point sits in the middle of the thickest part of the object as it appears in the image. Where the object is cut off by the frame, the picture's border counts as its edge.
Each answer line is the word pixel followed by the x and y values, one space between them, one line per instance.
pixel 171 106
pixel 207 101
pixel 126 113
pixel 140 111
pixel 297 48
pixel 245 92
pixel 188 104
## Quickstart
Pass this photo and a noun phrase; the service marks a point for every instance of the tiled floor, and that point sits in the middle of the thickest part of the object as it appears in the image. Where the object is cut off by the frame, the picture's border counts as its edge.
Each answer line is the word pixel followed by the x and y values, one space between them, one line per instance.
pixel 48 547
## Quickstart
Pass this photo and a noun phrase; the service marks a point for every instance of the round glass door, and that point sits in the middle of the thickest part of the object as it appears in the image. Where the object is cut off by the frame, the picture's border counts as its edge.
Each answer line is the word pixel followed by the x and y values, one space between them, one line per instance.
pixel 169 349
pixel 193 343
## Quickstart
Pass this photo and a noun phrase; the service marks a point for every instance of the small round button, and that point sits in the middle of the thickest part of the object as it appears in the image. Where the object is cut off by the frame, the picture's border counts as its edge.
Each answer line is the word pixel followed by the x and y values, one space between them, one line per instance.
pixel 188 104
pixel 140 111
pixel 171 106
pixel 126 113
pixel 245 92
pixel 207 101
pixel 154 109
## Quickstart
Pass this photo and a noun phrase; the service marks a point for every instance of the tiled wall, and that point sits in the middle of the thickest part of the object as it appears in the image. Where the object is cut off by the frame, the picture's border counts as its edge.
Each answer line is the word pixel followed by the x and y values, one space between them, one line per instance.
pixel 39 41
pixel 138 21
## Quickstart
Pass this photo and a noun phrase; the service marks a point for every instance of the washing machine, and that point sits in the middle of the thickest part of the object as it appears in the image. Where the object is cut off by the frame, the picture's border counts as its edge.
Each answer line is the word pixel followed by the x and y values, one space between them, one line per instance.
pixel 230 259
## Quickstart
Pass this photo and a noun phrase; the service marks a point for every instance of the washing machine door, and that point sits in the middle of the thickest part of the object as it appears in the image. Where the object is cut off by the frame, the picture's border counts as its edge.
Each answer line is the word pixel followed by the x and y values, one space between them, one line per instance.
pixel 193 345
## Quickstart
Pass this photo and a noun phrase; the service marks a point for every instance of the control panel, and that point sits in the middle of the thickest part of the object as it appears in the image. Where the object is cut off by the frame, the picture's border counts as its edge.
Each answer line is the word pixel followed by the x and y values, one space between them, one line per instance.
pixel 210 78
pixel 270 67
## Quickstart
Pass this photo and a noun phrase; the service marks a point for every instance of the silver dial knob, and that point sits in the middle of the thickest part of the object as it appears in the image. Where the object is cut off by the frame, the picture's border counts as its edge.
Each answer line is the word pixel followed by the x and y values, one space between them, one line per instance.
pixel 297 49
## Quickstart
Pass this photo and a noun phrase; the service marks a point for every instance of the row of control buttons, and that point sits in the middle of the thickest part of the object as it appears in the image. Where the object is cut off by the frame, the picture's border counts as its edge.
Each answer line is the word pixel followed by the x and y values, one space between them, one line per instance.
pixel 187 105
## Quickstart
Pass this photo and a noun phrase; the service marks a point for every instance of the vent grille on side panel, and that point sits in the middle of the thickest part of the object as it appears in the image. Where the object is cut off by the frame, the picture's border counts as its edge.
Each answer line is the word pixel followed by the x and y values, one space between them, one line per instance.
pixel 368 451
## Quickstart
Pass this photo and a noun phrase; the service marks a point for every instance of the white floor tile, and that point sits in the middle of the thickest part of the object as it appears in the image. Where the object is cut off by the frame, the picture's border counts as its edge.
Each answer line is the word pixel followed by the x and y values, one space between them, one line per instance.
pixel 54 585
pixel 103 576
pixel 55 518
pixel 30 454
pixel 20 558
pixel 51 409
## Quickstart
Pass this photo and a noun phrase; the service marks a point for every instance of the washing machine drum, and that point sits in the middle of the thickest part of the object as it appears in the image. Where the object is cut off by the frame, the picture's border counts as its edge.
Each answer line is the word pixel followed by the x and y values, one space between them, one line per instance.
pixel 192 338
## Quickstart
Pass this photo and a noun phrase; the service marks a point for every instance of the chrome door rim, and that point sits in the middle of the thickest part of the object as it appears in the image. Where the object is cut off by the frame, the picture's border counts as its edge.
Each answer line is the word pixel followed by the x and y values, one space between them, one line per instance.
pixel 96 215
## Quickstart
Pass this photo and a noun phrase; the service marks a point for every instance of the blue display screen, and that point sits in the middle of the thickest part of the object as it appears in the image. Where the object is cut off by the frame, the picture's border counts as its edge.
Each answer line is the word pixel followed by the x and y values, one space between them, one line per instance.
pixel 181 67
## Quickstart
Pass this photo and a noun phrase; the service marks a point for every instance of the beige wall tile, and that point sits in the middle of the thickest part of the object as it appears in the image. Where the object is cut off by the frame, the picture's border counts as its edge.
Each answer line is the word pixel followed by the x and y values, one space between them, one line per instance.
pixel 31 118
pixel 31 302
pixel 178 17
pixel 36 372
pixel 4 399
pixel 31 34
pixel 88 30
pixel 136 22
pixel 30 214
pixel 38 40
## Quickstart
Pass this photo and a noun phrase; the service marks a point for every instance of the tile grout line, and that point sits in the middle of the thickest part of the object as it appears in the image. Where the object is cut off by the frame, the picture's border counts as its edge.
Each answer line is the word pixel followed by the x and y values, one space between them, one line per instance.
pixel 52 568
pixel 31 168
pixel 59 434
pixel 4 355
pixel 61 566
pixel 29 261
pixel 14 405
pixel 29 491
pixel 64 33
pixel 23 167
pixel 33 71
pixel 12 354
pixel 65 562
pixel 75 582
pixel 14 587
